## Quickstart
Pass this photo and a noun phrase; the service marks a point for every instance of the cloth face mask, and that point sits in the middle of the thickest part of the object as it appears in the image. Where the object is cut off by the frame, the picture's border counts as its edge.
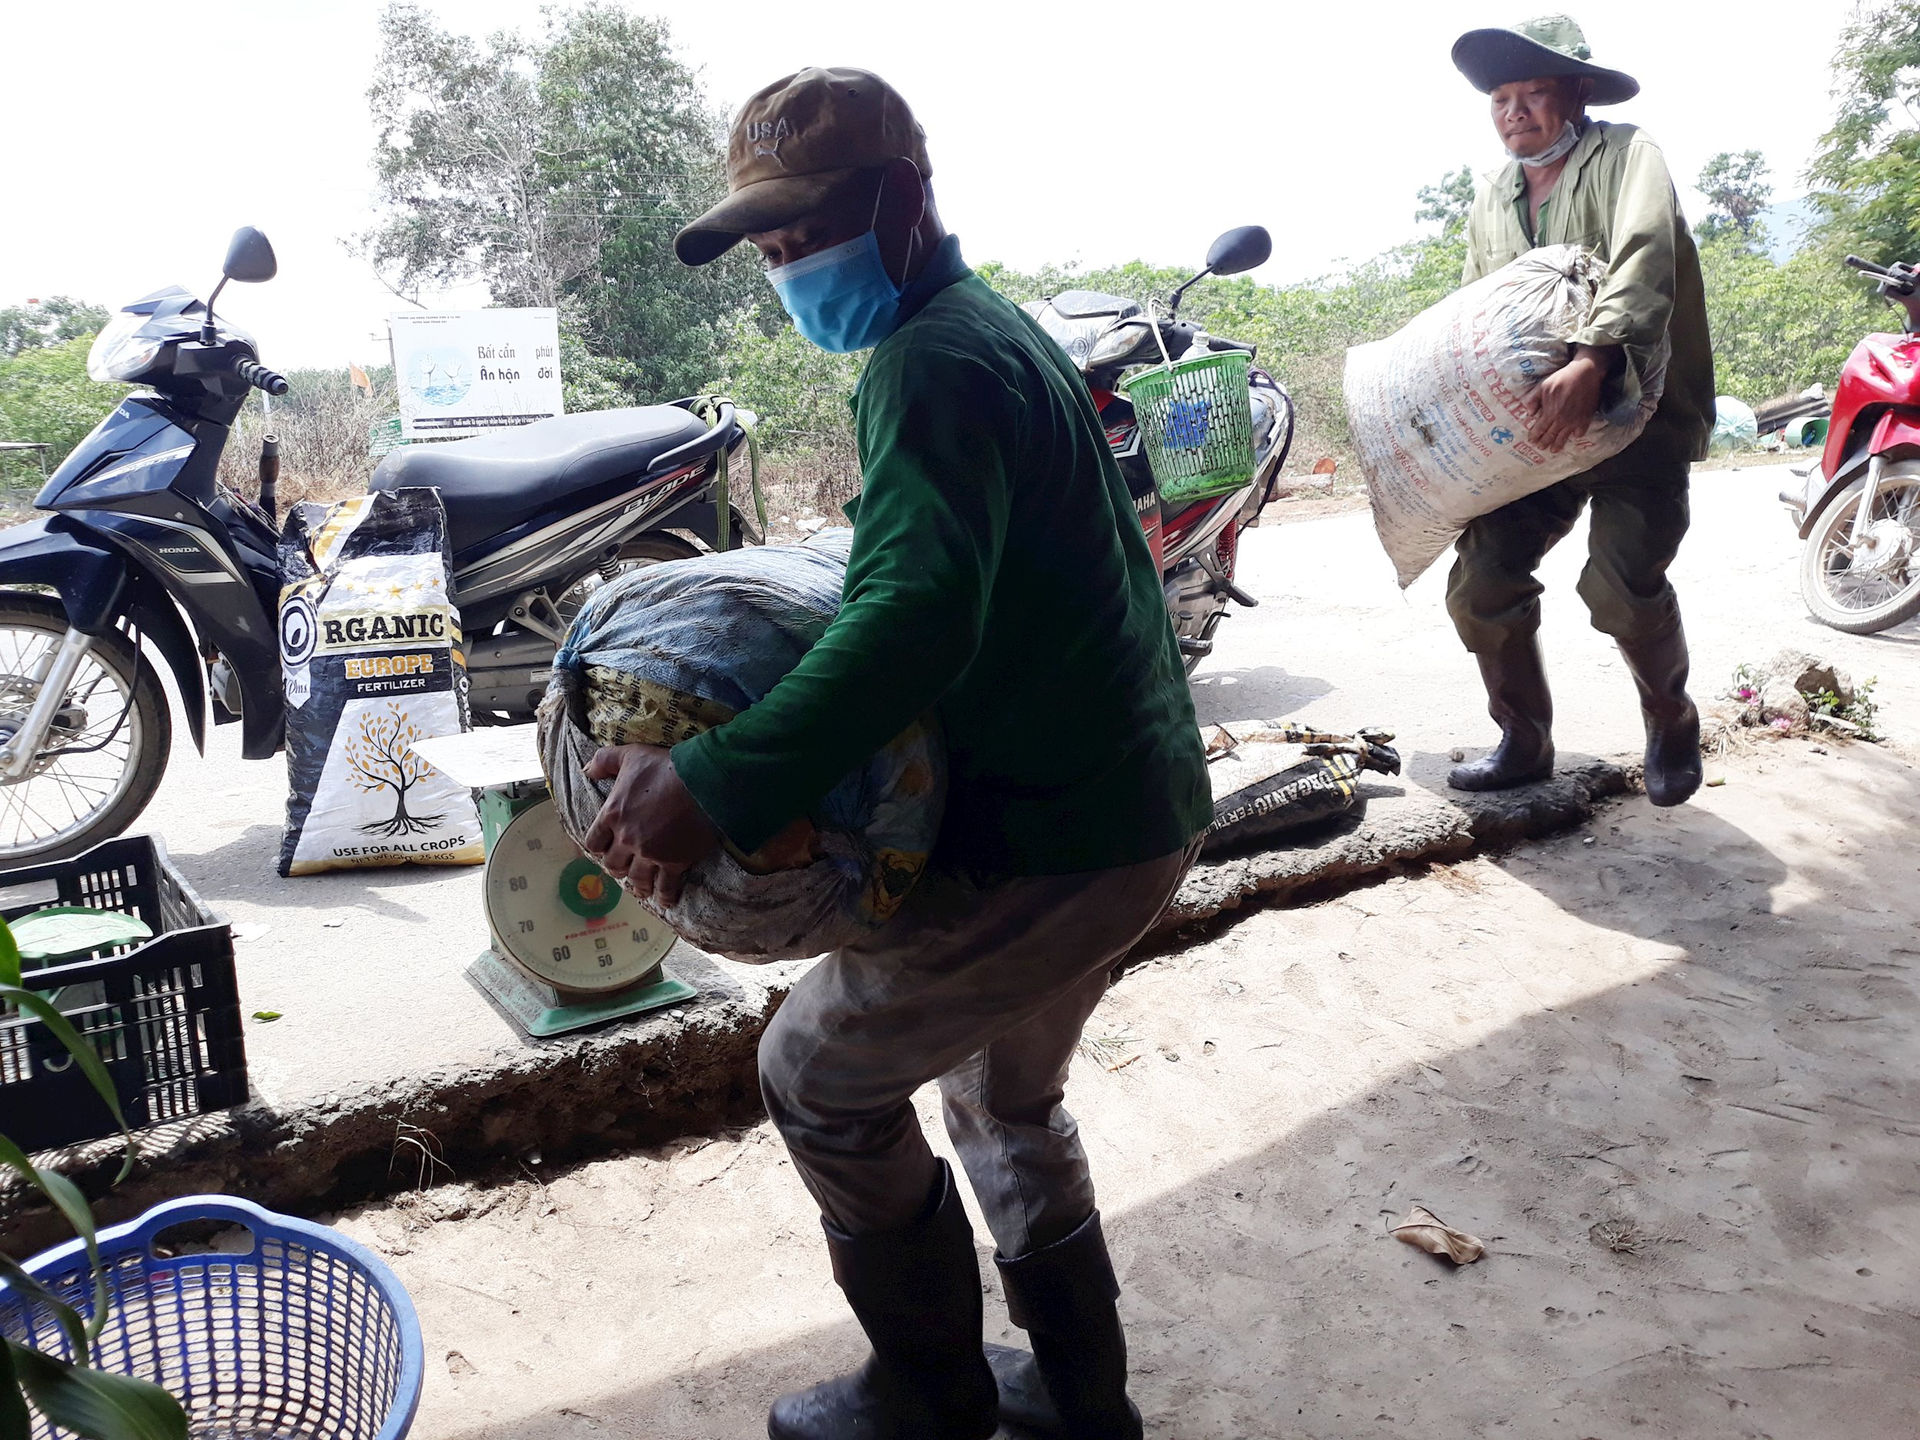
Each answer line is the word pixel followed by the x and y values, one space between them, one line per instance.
pixel 1569 137
pixel 841 299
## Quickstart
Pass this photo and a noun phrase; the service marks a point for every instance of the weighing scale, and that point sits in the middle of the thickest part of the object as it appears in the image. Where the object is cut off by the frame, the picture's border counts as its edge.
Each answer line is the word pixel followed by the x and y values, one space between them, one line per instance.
pixel 570 947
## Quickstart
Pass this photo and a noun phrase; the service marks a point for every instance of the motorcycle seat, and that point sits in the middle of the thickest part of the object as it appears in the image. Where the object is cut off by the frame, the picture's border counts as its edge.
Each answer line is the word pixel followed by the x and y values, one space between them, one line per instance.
pixel 492 483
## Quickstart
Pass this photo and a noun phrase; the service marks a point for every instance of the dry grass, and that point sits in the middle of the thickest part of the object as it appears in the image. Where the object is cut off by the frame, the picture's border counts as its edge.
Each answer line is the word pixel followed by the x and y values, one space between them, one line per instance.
pixel 322 423
pixel 807 485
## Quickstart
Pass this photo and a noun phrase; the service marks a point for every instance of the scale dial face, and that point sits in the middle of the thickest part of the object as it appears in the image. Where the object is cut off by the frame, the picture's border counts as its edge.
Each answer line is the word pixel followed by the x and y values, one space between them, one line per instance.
pixel 560 916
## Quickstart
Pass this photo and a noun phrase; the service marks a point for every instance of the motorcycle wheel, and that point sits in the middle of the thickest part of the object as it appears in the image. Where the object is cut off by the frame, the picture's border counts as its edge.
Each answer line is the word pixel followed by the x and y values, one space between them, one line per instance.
pixel 640 553
pixel 107 749
pixel 1877 586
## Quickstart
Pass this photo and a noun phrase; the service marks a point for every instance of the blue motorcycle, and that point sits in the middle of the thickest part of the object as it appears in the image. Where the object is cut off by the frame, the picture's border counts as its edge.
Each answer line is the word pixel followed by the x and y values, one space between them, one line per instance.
pixel 142 553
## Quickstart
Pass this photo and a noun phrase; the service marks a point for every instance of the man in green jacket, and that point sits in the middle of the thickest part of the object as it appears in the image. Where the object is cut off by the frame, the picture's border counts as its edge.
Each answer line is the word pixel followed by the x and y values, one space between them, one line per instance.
pixel 999 579
pixel 1572 180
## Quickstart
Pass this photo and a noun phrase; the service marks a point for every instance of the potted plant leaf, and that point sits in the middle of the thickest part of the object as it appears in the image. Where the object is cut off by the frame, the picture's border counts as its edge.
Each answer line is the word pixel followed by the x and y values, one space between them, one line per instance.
pixel 97 1404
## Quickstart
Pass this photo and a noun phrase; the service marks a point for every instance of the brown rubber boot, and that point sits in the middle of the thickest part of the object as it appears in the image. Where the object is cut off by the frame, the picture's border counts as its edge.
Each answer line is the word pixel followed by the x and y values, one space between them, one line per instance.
pixel 1659 670
pixel 916 1292
pixel 1520 704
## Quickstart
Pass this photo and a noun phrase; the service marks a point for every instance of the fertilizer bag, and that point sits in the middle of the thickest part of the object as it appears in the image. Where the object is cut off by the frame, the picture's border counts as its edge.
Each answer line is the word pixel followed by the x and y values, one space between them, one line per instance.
pixel 1273 778
pixel 661 655
pixel 1435 411
pixel 370 660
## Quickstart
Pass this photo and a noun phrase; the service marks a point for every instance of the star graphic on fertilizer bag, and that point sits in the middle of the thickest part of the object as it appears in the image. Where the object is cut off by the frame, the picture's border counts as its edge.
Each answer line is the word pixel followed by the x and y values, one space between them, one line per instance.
pixel 1501 435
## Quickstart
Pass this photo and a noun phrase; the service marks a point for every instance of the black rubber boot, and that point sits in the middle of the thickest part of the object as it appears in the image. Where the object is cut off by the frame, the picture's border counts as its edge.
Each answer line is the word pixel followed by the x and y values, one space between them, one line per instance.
pixel 1074 1384
pixel 1659 669
pixel 1518 701
pixel 916 1292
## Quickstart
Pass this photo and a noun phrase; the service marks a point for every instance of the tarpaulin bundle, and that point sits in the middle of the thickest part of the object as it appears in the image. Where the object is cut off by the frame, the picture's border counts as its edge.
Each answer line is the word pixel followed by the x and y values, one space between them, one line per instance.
pixel 662 654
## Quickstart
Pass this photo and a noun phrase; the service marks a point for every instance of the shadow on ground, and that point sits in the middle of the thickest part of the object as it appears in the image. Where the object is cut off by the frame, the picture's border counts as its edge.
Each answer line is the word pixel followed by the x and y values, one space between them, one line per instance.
pixel 1265 692
pixel 1694 1164
pixel 244 869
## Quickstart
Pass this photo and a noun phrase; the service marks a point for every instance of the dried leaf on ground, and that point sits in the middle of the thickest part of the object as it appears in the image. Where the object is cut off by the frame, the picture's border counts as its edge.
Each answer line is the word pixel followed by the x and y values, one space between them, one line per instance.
pixel 1429 1232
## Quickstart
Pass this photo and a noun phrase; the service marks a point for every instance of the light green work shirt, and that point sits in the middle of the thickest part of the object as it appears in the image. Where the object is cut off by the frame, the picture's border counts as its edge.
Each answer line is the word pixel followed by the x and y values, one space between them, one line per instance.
pixel 1616 197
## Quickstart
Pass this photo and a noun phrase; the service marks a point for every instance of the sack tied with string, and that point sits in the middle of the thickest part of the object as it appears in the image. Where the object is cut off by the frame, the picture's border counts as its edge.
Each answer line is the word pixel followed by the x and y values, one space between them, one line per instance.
pixel 1437 411
pixel 665 653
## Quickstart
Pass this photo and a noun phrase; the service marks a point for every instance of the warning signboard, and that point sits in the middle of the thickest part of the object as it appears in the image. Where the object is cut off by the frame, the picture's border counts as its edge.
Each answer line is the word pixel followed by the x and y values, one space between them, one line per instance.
pixel 467 372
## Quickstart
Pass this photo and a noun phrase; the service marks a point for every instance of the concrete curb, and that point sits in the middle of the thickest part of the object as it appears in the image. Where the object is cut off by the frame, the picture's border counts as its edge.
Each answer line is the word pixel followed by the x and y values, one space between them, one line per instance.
pixel 693 1068
pixel 679 1071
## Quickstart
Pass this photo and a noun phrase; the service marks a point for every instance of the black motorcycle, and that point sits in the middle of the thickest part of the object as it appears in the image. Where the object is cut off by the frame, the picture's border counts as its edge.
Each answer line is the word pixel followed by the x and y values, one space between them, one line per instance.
pixel 141 539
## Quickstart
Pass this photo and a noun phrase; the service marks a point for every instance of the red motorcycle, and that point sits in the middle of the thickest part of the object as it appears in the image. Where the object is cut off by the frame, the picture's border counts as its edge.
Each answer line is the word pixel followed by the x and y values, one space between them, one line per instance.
pixel 1859 510
pixel 1196 543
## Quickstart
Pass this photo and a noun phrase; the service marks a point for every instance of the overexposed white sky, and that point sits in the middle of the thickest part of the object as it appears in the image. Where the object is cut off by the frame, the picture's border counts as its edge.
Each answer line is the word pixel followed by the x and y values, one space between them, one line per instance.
pixel 1058 132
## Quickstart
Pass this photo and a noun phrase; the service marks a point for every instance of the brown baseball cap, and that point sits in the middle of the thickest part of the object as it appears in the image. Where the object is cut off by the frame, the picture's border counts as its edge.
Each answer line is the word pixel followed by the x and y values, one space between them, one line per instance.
pixel 794 145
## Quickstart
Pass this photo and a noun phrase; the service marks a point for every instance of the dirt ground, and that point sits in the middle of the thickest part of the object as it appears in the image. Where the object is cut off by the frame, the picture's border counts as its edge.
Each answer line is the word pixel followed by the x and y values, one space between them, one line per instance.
pixel 1667 1068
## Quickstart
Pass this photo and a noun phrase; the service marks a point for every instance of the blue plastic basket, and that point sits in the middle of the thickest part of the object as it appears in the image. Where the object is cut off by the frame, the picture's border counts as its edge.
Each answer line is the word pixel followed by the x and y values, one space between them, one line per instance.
pixel 304 1334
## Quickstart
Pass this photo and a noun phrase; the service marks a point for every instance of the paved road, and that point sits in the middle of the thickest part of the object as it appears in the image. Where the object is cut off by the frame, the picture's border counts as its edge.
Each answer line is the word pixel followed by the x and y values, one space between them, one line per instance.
pixel 1334 640
pixel 366 966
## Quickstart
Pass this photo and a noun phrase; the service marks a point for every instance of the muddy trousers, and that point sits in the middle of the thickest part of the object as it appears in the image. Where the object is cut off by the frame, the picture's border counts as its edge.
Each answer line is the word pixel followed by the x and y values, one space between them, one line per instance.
pixel 984 988
pixel 1639 500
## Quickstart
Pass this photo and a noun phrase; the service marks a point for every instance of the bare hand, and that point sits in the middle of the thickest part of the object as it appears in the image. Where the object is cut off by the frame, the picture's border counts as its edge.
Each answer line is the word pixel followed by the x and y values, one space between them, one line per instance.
pixel 1566 402
pixel 650 831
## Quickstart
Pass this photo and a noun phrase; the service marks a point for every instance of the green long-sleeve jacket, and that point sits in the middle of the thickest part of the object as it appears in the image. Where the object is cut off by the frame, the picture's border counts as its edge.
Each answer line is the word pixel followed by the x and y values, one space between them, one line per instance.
pixel 999 577
pixel 1616 197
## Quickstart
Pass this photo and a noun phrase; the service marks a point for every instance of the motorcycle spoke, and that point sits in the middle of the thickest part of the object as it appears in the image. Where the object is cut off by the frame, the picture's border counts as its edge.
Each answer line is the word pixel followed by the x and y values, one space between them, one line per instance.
pixel 83 765
pixel 46 827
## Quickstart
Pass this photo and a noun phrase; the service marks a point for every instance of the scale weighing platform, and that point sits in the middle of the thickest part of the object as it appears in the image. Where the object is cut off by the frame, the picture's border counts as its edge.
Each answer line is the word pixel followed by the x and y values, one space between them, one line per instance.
pixel 570 947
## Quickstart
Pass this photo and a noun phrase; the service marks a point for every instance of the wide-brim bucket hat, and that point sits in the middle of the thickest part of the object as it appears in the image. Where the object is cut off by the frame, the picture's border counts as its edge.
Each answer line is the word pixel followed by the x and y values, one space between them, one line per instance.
pixel 1547 45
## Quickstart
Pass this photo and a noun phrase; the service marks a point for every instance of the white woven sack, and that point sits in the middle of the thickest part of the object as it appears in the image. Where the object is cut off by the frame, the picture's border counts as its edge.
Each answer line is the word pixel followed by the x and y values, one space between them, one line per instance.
pixel 1435 410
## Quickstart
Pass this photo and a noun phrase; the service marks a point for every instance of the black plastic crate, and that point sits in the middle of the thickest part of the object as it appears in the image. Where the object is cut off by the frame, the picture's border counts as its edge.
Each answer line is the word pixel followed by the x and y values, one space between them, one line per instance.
pixel 164 1014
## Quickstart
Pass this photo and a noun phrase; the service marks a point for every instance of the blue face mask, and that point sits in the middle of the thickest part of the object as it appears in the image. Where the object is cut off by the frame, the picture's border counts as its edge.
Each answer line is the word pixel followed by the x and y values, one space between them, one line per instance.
pixel 841 299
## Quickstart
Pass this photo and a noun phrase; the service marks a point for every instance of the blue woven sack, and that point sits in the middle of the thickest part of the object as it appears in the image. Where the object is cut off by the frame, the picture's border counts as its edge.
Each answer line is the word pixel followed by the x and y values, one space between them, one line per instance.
pixel 665 653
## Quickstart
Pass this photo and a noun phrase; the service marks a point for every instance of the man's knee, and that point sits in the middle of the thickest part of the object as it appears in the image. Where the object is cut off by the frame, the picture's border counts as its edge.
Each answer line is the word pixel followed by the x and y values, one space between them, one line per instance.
pixel 1489 607
pixel 1627 613
pixel 1625 585
pixel 782 1075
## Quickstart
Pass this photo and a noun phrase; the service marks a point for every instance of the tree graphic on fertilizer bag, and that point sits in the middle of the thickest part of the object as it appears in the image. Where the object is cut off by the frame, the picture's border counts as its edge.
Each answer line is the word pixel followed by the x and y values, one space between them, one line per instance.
pixel 383 758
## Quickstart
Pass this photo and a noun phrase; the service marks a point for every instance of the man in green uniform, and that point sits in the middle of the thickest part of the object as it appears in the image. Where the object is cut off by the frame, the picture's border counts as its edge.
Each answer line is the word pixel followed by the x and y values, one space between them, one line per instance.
pixel 998 578
pixel 1574 180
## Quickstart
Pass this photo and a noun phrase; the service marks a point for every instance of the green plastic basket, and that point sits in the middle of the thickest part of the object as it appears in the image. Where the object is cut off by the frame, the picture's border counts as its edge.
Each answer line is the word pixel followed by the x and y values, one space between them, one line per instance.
pixel 1196 422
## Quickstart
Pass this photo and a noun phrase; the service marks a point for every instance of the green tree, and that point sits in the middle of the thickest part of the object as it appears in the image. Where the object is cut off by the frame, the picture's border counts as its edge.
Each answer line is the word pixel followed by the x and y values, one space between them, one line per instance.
pixel 1302 330
pixel 800 394
pixel 1448 203
pixel 52 321
pixel 590 380
pixel 1778 328
pixel 45 396
pixel 1737 190
pixel 1869 161
pixel 554 169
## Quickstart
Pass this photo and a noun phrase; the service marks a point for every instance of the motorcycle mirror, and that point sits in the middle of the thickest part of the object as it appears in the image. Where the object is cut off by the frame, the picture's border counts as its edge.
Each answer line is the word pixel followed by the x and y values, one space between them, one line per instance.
pixel 250 257
pixel 1240 250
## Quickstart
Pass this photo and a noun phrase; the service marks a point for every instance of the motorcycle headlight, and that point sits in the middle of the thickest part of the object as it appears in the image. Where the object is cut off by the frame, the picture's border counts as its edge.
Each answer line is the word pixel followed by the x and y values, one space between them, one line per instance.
pixel 120 352
pixel 1118 344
